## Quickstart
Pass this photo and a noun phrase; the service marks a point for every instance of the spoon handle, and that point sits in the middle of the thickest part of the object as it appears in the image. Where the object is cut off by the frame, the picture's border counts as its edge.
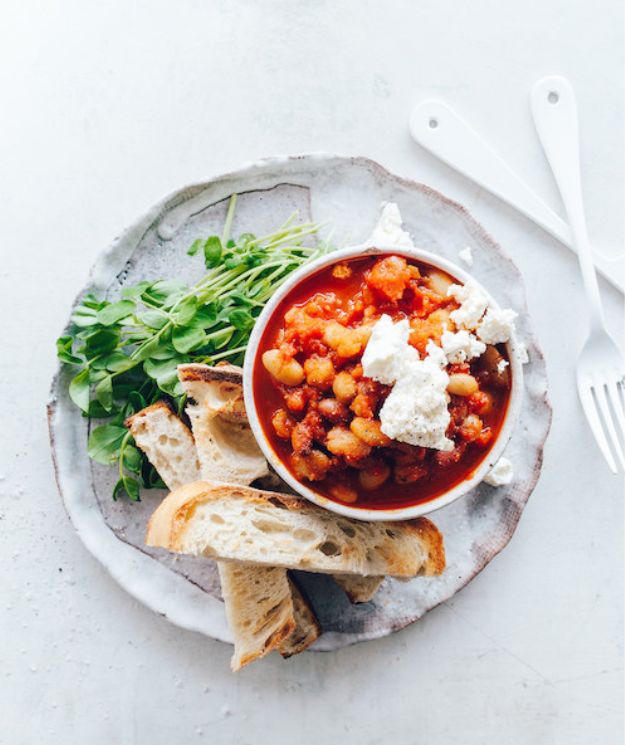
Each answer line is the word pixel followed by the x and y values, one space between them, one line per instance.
pixel 439 128
pixel 555 115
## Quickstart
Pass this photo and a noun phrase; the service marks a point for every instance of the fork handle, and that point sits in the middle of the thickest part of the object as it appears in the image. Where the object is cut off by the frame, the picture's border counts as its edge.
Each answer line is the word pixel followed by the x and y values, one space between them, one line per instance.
pixel 555 115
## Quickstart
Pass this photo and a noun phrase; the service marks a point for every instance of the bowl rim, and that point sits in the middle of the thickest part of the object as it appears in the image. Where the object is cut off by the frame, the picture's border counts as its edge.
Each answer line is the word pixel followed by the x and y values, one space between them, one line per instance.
pixel 361 513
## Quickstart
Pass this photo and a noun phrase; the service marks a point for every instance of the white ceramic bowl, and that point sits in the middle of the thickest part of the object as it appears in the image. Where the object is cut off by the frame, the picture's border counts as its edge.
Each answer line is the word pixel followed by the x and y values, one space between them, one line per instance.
pixel 360 513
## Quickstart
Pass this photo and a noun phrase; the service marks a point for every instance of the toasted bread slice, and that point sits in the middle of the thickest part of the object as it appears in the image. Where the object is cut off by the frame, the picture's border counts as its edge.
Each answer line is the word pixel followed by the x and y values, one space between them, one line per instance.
pixel 358 589
pixel 237 523
pixel 225 444
pixel 307 627
pixel 167 443
pixel 259 608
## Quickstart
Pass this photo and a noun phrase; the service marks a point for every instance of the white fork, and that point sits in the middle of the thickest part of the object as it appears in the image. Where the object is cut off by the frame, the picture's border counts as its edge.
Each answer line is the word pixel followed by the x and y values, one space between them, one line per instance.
pixel 600 368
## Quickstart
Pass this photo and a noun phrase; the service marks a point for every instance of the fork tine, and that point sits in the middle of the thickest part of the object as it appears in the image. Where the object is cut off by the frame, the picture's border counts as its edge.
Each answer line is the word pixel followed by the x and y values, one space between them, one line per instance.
pixel 617 404
pixel 609 423
pixel 590 410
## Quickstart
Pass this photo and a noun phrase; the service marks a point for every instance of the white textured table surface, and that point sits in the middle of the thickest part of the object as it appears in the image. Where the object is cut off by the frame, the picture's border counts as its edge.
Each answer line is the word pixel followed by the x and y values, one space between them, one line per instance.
pixel 108 107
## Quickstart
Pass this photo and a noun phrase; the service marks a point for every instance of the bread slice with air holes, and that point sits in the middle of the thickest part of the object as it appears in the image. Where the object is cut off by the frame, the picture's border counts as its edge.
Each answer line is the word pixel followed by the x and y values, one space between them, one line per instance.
pixel 259 608
pixel 167 442
pixel 169 445
pixel 226 447
pixel 237 523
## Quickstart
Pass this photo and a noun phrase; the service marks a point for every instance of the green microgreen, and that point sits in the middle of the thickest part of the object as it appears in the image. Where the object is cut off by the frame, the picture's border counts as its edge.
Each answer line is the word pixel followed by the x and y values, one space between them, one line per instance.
pixel 124 353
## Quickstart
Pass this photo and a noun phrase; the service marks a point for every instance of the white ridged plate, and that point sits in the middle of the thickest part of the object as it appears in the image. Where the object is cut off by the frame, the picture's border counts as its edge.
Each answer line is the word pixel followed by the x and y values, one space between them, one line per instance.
pixel 346 193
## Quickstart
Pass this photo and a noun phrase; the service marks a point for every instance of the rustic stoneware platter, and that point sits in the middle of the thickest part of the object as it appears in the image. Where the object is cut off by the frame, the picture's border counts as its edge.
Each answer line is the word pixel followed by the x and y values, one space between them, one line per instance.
pixel 345 193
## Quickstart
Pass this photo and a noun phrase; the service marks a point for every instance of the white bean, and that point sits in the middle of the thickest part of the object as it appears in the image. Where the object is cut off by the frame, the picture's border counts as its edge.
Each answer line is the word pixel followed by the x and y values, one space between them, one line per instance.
pixel 462 384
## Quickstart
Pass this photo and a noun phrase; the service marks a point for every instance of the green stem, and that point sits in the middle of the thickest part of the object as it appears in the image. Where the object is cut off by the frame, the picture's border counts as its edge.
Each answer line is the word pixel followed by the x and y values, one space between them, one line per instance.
pixel 222 332
pixel 151 304
pixel 122 447
pixel 282 229
pixel 227 353
pixel 149 340
pixel 225 236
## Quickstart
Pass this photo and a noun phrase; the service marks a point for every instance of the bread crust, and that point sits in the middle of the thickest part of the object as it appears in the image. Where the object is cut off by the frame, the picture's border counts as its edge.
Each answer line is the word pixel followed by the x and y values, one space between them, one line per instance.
pixel 274 642
pixel 307 629
pixel 134 419
pixel 433 538
pixel 195 371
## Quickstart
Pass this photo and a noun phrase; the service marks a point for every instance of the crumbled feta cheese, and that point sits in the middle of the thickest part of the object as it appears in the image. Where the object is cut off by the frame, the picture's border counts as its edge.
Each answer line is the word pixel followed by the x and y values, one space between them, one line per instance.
pixel 388 231
pixel 497 325
pixel 501 366
pixel 466 255
pixel 383 355
pixel 500 474
pixel 415 411
pixel 473 303
pixel 461 346
pixel 522 352
pixel 436 354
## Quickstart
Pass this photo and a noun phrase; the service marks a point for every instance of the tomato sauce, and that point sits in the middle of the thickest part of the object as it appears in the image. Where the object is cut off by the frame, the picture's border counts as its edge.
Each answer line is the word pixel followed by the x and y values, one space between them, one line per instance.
pixel 304 421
